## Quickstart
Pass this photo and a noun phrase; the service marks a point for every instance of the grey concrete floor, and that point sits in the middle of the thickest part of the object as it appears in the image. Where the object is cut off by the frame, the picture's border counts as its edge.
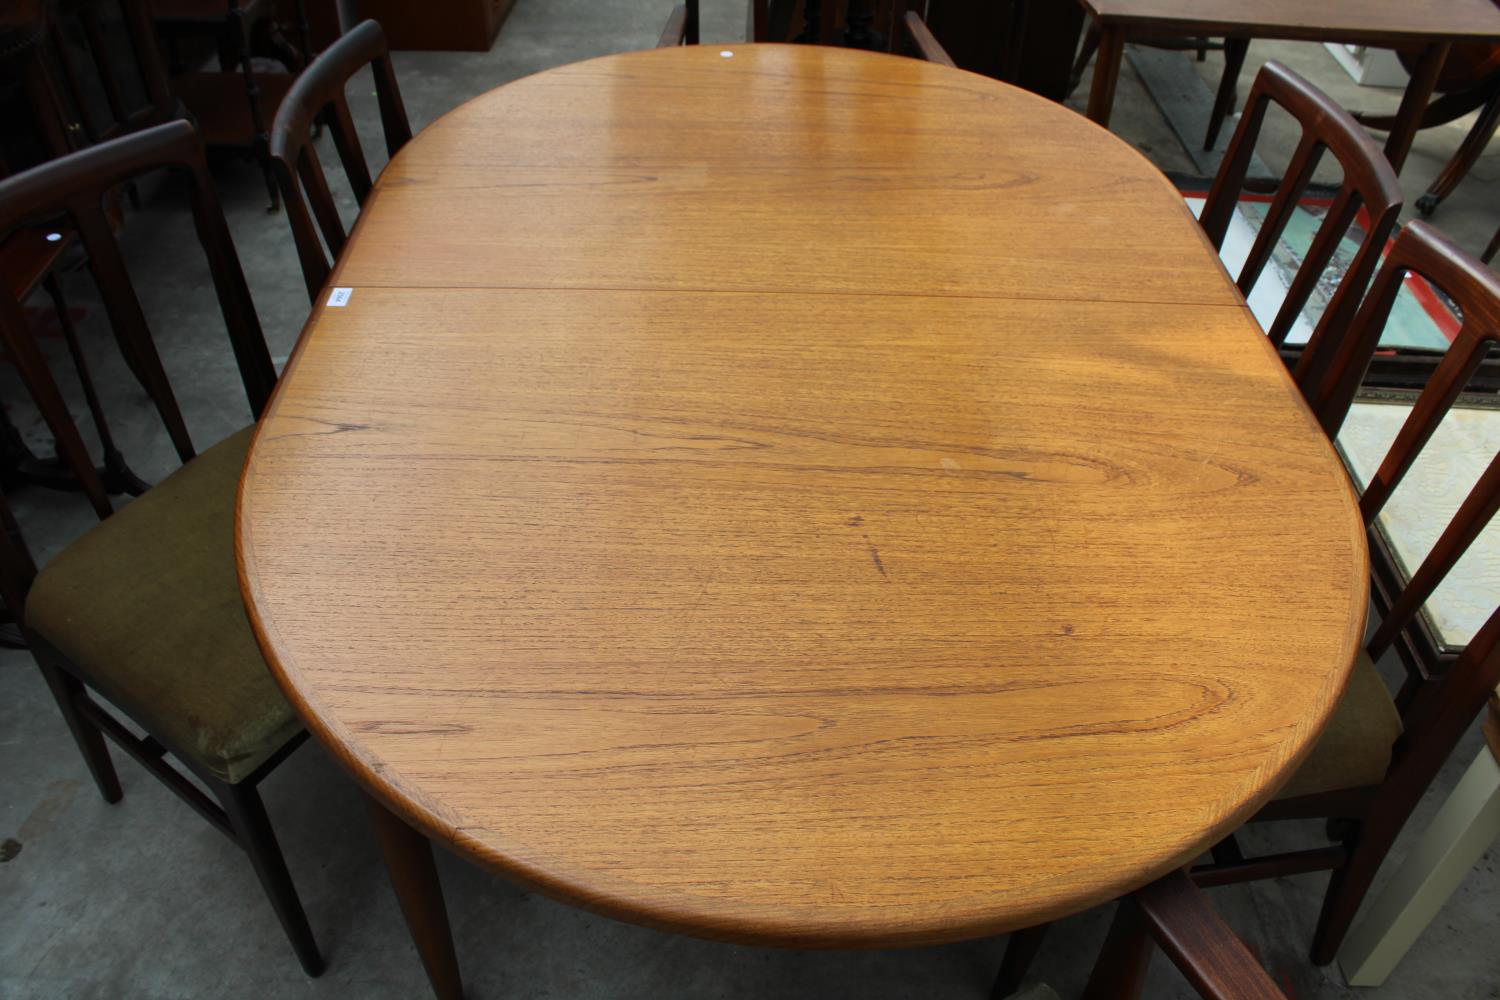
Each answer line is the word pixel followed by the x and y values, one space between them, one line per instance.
pixel 142 899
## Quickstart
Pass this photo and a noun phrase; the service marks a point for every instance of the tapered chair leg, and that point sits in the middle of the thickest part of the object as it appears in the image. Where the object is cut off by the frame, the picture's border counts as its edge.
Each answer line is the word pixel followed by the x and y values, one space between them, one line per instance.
pixel 65 688
pixel 1347 888
pixel 1120 971
pixel 1020 951
pixel 252 829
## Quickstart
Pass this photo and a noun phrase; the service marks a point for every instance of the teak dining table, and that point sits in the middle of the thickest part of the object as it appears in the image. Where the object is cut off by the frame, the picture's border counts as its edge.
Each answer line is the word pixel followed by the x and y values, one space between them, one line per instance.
pixel 794 496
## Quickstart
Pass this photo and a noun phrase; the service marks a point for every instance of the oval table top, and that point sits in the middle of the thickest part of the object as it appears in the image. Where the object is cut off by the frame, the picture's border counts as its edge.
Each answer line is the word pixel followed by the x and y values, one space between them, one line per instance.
pixel 798 496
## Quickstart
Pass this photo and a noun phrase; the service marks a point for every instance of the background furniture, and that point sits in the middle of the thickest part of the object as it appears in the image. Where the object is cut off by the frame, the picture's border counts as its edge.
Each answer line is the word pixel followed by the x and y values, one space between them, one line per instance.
pixel 233 106
pixel 772 540
pixel 37 41
pixel 1028 44
pixel 144 608
pixel 438 24
pixel 318 97
pixel 1234 49
pixel 681 27
pixel 1470 81
pixel 1390 23
pixel 858 24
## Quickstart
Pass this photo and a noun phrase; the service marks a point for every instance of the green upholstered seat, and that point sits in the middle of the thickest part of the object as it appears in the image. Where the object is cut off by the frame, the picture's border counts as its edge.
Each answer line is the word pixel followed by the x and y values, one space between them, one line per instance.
pixel 147 607
pixel 1355 749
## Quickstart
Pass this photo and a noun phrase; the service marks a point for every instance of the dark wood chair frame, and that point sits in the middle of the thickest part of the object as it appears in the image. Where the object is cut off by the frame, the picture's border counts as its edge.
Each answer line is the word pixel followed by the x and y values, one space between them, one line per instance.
pixel 1438 701
pixel 681 27
pixel 77 185
pixel 317 97
pixel 1174 914
pixel 33 253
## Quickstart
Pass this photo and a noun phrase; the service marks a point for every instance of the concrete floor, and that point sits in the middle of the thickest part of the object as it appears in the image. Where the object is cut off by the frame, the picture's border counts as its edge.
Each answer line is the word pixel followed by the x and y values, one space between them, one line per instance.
pixel 142 899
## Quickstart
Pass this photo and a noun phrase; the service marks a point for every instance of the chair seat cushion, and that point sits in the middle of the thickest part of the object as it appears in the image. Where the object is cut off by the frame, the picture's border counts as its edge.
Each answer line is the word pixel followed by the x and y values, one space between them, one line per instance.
pixel 1355 749
pixel 146 606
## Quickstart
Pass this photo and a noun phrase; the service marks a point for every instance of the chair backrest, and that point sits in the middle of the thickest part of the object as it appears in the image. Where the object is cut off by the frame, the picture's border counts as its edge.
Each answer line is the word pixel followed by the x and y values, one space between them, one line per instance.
pixel 1368 183
pixel 1437 705
pixel 150 71
pixel 317 96
pixel 681 27
pixel 75 186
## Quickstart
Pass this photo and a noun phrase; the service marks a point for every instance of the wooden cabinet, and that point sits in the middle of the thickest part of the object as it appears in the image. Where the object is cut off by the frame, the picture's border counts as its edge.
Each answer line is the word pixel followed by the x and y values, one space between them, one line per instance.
pixel 1025 42
pixel 438 24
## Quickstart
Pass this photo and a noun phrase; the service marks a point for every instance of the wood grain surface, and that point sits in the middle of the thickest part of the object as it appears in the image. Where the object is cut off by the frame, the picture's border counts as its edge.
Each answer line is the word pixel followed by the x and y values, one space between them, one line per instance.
pixel 773 169
pixel 895 600
pixel 1367 21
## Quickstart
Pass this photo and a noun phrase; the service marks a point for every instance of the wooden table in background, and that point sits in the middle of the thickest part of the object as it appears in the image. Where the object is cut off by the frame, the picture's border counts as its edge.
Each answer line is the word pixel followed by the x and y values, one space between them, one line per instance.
pixel 1429 25
pixel 796 496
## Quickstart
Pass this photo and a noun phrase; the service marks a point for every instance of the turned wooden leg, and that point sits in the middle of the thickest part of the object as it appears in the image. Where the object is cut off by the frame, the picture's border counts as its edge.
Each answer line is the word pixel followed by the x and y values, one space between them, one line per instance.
pixel 408 862
pixel 1467 155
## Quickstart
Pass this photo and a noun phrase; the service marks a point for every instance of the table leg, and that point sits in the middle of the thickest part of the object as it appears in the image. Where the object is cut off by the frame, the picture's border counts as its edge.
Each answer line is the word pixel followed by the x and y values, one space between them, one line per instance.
pixel 1464 828
pixel 408 862
pixel 1418 93
pixel 1106 73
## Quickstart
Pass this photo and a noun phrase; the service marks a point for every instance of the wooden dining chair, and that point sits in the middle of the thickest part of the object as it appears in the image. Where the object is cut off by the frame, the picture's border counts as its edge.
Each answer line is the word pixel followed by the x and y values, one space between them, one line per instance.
pixel 1369 184
pixel 144 609
pixel 1380 753
pixel 682 26
pixel 318 98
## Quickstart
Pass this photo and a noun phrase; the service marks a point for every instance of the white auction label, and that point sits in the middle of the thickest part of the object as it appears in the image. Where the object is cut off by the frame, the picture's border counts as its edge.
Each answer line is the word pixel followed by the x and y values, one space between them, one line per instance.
pixel 339 297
